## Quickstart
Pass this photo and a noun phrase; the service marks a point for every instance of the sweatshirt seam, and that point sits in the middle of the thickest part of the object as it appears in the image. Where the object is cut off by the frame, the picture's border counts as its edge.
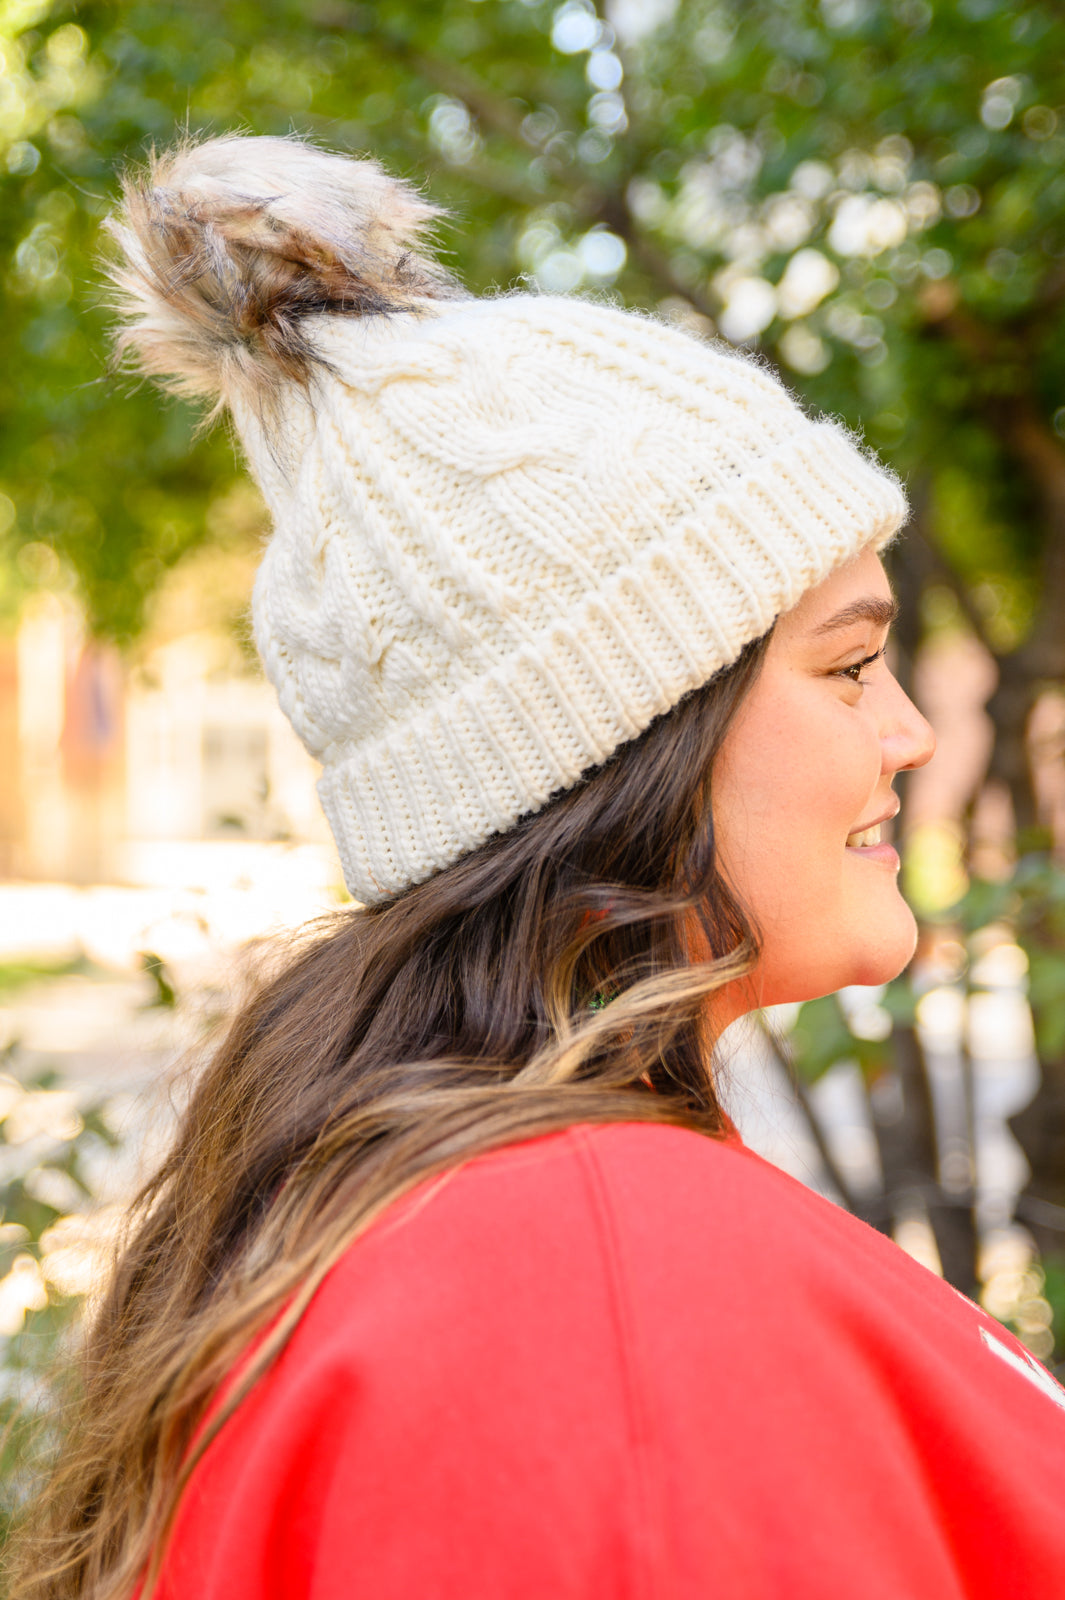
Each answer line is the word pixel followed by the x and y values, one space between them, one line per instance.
pixel 646 1522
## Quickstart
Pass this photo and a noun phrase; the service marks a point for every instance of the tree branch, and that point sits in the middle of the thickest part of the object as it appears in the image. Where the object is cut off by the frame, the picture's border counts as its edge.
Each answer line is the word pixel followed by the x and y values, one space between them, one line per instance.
pixel 817 1133
pixel 590 202
pixel 937 569
pixel 491 109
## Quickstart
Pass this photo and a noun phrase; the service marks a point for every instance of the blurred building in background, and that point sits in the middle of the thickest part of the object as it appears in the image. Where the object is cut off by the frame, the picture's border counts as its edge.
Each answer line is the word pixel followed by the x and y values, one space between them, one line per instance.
pixel 130 772
pixel 135 770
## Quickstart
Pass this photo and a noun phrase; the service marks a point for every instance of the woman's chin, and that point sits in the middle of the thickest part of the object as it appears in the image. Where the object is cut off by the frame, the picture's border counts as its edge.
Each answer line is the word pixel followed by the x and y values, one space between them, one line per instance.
pixel 874 967
pixel 893 954
pixel 802 970
pixel 865 963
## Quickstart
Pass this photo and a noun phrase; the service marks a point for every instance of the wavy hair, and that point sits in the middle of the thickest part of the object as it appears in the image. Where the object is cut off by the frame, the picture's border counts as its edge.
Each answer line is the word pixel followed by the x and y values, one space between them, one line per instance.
pixel 559 974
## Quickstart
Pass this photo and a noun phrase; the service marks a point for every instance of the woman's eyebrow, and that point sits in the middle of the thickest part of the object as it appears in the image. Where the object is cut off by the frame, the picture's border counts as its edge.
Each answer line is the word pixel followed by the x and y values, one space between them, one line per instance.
pixel 871 608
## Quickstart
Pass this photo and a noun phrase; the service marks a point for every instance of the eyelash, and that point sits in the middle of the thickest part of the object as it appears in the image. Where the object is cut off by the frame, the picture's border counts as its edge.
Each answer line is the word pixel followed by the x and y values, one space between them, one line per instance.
pixel 853 672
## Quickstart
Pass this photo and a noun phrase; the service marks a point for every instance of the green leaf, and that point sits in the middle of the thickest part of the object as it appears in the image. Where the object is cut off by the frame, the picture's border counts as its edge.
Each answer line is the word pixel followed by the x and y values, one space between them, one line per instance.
pixel 820 1038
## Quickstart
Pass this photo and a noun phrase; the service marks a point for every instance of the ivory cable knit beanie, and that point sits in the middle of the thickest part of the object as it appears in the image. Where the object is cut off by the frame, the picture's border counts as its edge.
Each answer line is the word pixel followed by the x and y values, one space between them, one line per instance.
pixel 509 532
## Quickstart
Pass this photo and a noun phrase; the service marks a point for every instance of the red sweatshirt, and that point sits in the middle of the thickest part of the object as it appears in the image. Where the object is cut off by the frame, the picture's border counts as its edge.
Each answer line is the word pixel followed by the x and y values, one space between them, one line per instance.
pixel 632 1363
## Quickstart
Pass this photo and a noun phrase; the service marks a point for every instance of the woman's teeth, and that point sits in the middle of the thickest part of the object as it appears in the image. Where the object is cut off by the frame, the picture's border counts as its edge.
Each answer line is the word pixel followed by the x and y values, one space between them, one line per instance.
pixel 858 841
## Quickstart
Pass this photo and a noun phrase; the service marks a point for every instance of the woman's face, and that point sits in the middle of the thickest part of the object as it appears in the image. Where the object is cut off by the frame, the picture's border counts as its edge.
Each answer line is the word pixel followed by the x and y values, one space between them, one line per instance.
pixel 801 786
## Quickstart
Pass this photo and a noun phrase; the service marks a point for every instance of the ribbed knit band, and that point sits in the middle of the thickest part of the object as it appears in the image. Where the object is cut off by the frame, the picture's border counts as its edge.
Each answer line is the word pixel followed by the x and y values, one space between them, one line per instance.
pixel 470 764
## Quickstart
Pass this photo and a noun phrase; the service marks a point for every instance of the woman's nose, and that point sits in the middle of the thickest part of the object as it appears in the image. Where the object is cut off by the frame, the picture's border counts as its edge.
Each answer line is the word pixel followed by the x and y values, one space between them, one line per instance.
pixel 907 738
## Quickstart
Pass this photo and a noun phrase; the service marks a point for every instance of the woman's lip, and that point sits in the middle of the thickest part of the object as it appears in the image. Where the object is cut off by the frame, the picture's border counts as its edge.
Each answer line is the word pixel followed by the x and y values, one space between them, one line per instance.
pixel 888 816
pixel 883 854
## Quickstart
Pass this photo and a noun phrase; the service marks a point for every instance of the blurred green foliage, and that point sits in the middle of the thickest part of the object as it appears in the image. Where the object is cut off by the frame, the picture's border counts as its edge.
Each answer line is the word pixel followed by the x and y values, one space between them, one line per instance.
pixel 1031 902
pixel 823 1034
pixel 873 191
pixel 164 995
pixel 1028 906
pixel 1054 1290
pixel 1026 909
pixel 16 975
pixel 52 1153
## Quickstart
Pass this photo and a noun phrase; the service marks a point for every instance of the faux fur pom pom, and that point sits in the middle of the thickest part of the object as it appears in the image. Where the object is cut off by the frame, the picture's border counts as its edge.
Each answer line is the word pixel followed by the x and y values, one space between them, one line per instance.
pixel 229 245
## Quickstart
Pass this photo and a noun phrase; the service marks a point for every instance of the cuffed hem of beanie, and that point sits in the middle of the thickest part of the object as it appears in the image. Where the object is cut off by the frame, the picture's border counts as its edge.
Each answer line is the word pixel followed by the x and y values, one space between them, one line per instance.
pixel 405 807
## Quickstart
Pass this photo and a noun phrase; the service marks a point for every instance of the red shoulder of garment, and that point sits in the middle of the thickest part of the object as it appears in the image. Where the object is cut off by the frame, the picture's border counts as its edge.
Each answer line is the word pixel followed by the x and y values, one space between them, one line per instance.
pixel 630 1360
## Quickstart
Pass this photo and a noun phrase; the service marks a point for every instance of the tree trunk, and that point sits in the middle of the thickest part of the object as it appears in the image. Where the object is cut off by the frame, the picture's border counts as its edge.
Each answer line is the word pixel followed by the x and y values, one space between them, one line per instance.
pixel 1040 1131
pixel 1009 709
pixel 905 1126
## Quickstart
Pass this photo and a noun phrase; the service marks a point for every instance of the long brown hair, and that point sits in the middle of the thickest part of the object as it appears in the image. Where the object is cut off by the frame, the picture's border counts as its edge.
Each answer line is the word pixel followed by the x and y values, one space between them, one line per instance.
pixel 557 975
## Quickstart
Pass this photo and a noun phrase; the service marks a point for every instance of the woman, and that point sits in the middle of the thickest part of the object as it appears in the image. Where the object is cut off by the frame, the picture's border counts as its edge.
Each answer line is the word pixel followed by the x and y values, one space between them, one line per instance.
pixel 458 1282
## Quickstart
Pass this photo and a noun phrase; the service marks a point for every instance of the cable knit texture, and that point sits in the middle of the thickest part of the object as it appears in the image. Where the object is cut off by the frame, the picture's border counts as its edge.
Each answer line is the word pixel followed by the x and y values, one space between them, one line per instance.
pixel 508 534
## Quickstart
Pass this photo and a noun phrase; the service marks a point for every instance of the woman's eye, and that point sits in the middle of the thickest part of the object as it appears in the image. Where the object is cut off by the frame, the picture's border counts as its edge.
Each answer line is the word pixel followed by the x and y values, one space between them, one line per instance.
pixel 855 670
